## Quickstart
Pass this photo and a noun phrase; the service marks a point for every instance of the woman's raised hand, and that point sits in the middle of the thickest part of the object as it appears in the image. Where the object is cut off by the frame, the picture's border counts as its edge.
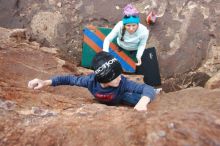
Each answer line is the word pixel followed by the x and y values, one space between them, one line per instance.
pixel 139 62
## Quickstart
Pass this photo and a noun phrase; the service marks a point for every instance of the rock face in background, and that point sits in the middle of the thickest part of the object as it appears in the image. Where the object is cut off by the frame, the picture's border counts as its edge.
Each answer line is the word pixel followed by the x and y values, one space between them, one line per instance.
pixel 183 81
pixel 186 35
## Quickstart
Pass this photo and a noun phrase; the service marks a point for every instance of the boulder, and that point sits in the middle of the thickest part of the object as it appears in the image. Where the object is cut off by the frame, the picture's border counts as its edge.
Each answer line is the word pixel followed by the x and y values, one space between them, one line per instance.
pixel 68 115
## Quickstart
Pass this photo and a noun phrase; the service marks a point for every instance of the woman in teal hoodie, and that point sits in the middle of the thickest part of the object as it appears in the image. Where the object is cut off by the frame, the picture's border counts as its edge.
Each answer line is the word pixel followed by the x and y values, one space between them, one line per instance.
pixel 131 35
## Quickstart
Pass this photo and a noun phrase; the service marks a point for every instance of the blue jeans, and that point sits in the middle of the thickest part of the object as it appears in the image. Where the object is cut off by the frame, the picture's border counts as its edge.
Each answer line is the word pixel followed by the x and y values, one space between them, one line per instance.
pixel 130 98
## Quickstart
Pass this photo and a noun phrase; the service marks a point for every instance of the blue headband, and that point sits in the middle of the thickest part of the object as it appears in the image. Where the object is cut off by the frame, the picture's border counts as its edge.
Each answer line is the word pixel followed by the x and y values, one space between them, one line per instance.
pixel 131 19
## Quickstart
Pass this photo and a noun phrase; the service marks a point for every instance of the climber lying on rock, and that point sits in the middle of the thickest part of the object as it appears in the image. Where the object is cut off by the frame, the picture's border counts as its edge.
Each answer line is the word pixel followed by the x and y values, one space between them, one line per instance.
pixel 107 84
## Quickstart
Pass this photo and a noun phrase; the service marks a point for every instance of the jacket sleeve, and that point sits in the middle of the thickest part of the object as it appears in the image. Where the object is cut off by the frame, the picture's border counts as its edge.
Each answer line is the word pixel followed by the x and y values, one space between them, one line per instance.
pixel 142 44
pixel 81 81
pixel 143 89
pixel 113 34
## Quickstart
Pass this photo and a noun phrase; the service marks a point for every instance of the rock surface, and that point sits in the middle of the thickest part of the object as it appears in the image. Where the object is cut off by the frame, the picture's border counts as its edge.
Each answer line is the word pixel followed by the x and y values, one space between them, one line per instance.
pixel 214 82
pixel 69 116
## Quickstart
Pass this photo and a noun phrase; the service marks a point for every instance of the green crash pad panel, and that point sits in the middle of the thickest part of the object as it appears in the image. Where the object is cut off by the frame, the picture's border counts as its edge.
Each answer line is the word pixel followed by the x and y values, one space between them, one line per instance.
pixel 93 38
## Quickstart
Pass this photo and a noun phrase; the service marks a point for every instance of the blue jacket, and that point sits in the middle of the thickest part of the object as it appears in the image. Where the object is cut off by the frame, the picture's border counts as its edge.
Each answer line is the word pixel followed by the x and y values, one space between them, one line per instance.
pixel 109 95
